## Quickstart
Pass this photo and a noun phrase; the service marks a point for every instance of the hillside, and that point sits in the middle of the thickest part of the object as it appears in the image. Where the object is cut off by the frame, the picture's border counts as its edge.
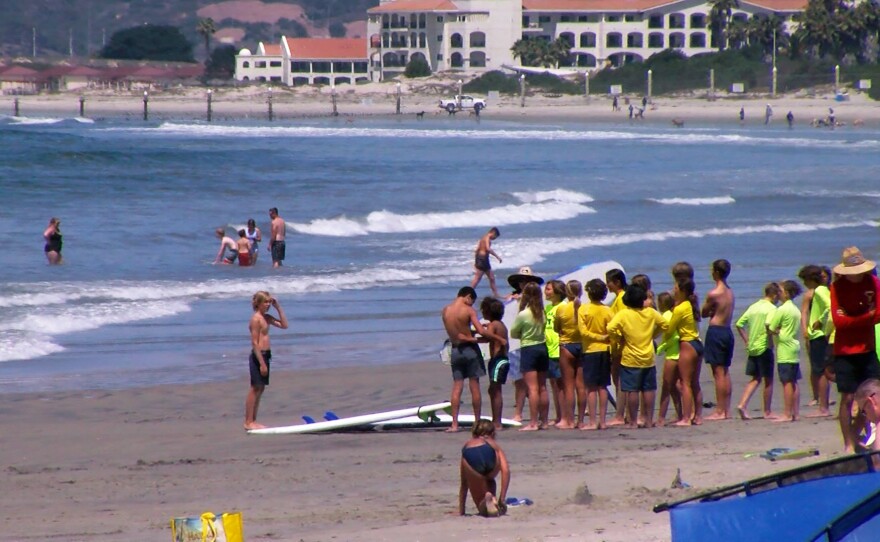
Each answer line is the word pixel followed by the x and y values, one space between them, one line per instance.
pixel 87 23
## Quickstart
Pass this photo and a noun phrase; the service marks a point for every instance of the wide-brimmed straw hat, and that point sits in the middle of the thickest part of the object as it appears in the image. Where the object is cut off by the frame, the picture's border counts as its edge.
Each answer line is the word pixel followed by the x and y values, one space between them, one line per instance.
pixel 853 263
pixel 524 274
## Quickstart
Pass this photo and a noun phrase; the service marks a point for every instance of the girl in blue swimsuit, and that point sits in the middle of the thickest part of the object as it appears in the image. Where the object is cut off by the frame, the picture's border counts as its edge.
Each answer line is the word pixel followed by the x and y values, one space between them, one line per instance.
pixel 481 461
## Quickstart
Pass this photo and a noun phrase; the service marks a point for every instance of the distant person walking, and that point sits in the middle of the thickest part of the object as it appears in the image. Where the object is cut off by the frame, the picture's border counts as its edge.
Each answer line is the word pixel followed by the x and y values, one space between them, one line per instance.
pixel 482 265
pixel 790 119
pixel 742 114
pixel 52 235
pixel 768 114
pixel 261 352
pixel 614 104
pixel 276 241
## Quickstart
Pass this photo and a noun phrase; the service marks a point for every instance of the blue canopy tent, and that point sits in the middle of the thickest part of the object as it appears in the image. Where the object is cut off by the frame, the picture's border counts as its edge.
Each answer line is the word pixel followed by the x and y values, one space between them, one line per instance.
pixel 831 501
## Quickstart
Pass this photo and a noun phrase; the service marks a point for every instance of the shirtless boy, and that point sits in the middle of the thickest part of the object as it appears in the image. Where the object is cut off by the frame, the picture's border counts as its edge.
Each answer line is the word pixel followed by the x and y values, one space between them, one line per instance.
pixel 719 337
pixel 467 360
pixel 492 310
pixel 261 352
pixel 276 239
pixel 481 260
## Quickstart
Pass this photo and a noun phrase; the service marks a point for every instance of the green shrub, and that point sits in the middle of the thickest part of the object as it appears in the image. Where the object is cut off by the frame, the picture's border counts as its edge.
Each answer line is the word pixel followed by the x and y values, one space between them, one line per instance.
pixel 417 67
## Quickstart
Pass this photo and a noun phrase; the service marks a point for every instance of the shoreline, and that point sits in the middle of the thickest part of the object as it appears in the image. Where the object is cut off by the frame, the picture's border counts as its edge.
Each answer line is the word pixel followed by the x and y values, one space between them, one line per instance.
pixel 250 103
pixel 134 458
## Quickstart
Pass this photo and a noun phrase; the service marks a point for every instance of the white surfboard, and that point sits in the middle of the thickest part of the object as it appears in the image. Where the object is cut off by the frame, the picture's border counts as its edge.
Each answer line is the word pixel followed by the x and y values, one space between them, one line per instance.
pixel 352 421
pixel 436 420
pixel 583 274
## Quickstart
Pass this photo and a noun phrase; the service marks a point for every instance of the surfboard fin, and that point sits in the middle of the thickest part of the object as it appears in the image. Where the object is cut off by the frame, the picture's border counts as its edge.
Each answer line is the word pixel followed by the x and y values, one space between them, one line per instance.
pixel 308 419
pixel 330 416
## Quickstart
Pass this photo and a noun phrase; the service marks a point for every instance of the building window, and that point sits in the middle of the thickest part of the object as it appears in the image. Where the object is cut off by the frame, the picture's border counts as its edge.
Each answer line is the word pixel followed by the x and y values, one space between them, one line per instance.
pixel 586 61
pixel 457 60
pixel 614 39
pixel 698 39
pixel 456 41
pixel 656 21
pixel 612 18
pixel 360 67
pixel 275 64
pixel 260 64
pixel 439 18
pixel 543 18
pixel 422 20
pixel 565 19
pixel 588 39
pixel 275 78
pixel 478 39
pixel 439 39
pixel 568 37
pixel 478 59
pixel 655 40
pixel 630 18
pixel 300 67
pixel 321 67
pixel 634 40
pixel 525 21
pixel 583 18
pixel 246 64
pixel 423 40
pixel 440 57
pixel 698 20
pixel 676 40
pixel 676 20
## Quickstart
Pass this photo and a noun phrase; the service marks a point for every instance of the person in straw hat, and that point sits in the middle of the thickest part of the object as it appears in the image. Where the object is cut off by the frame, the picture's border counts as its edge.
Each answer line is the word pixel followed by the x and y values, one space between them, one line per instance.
pixel 855 309
pixel 518 280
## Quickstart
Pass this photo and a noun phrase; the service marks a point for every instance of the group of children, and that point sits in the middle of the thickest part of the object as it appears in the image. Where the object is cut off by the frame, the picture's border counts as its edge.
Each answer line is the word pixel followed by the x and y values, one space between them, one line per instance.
pixel 244 249
pixel 584 347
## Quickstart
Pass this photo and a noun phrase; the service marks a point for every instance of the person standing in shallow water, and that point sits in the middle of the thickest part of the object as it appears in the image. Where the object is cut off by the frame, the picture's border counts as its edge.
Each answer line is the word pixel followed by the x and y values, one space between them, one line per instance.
pixel 261 352
pixel 481 260
pixel 277 245
pixel 52 235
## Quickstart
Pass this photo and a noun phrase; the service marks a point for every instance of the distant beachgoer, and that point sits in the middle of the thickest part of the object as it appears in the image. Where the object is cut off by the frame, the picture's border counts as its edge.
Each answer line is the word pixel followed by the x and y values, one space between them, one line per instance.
pixel 832 121
pixel 52 235
pixel 644 102
pixel 482 264
pixel 467 360
pixel 815 313
pixel 790 119
pixel 855 310
pixel 228 248
pixel 614 106
pixel 482 460
pixel 690 351
pixel 742 114
pixel 261 352
pixel 593 319
pixel 719 343
pixel 492 310
pixel 276 241
pixel 631 108
pixel 785 324
pixel 768 114
pixel 528 327
pixel 752 329
pixel 244 248
pixel 635 328
pixel 255 236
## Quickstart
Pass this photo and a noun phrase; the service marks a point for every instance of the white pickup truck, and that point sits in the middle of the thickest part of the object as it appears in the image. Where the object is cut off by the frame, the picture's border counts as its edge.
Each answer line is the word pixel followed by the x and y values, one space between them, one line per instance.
pixel 463 101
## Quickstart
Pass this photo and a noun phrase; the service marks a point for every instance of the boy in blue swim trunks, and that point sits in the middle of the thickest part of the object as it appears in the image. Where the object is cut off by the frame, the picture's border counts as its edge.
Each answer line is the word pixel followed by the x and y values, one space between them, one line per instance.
pixel 719 337
pixel 493 310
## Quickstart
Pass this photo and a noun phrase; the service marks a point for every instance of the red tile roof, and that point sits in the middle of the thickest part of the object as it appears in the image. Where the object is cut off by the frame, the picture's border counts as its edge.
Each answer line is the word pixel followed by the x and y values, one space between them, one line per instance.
pixel 327 48
pixel 778 5
pixel 272 49
pixel 415 5
pixel 19 73
pixel 593 5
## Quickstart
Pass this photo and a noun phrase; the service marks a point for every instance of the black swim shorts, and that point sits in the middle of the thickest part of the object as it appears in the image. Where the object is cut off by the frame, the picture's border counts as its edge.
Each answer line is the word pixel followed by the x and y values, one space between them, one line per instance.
pixel 256 378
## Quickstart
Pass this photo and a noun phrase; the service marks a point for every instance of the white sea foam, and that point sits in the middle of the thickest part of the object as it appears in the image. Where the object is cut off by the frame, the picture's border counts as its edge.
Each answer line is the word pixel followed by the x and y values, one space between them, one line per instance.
pixel 536 207
pixel 719 200
pixel 36 120
pixel 700 137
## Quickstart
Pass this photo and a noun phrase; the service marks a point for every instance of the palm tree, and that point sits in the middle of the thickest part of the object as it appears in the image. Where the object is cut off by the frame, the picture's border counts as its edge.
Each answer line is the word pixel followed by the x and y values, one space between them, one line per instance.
pixel 560 50
pixel 207 29
pixel 720 17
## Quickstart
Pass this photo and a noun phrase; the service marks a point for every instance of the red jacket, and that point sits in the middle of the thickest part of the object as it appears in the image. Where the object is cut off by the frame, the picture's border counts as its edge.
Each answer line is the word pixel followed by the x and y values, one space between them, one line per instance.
pixel 860 305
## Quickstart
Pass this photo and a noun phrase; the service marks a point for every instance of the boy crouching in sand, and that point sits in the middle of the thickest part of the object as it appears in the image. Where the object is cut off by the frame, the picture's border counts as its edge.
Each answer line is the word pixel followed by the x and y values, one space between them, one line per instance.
pixel 786 324
pixel 635 329
pixel 492 310
pixel 482 460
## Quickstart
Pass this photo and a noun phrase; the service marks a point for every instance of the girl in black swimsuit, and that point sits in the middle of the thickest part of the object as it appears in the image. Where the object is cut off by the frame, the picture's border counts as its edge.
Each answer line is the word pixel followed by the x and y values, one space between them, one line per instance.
pixel 481 461
pixel 52 235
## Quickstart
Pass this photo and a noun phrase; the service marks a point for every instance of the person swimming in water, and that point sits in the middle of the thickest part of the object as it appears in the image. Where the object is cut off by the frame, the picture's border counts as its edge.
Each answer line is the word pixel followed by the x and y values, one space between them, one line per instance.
pixel 482 459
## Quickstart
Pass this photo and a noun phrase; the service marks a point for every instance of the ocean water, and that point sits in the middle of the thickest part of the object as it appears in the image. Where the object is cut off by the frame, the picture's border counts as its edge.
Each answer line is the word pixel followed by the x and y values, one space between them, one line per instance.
pixel 382 217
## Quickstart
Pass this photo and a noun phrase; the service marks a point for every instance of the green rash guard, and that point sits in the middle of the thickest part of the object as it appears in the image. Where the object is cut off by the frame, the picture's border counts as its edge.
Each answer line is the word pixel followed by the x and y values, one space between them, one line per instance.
pixel 550 335
pixel 755 319
pixel 787 322
pixel 528 330
pixel 820 311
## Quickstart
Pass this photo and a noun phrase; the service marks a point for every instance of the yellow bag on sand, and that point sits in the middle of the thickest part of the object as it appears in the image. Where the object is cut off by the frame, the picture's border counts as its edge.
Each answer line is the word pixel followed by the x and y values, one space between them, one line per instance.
pixel 208 528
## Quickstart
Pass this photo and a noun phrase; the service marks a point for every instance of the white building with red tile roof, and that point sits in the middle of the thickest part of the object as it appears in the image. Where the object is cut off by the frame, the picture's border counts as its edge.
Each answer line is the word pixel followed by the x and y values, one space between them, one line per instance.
pixel 306 61
pixel 473 36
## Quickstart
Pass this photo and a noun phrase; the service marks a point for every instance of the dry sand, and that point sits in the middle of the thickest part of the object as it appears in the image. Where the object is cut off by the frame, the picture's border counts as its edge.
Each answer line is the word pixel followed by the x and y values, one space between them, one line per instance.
pixel 117 465
pixel 379 99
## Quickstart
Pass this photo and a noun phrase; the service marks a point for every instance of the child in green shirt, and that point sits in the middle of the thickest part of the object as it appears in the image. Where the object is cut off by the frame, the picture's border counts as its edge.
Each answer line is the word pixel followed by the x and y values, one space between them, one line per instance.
pixel 785 324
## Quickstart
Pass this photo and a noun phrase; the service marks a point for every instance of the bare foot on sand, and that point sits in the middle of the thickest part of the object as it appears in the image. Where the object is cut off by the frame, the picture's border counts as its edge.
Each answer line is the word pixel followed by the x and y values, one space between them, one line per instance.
pixel 255 425
pixel 562 425
pixel 615 422
pixel 770 416
pixel 716 416
pixel 819 414
pixel 454 429
pixel 661 422
pixel 783 419
pixel 682 423
pixel 588 427
pixel 742 413
pixel 491 505
pixel 530 427
pixel 814 402
pixel 517 418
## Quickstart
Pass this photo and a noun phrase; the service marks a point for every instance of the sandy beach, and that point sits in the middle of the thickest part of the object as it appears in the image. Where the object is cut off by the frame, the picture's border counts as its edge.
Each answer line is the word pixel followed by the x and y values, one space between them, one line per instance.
pixel 117 465
pixel 380 99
